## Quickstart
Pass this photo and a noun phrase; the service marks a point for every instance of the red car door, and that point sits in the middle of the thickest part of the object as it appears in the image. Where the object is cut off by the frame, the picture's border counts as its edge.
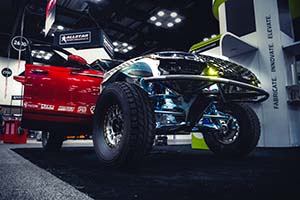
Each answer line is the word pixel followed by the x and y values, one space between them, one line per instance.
pixel 84 87
pixel 60 94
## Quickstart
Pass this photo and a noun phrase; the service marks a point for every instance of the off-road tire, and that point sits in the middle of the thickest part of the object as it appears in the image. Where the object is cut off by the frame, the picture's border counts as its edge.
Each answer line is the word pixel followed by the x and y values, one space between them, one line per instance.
pixel 248 135
pixel 138 126
pixel 52 141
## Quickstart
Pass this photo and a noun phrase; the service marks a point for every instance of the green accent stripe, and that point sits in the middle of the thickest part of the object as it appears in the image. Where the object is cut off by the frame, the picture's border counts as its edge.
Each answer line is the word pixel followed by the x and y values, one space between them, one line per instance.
pixel 216 5
pixel 205 43
pixel 295 8
pixel 198 143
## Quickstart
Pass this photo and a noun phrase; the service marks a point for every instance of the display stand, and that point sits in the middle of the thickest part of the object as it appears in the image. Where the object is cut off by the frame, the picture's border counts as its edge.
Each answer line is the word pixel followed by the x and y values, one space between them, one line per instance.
pixel 260 36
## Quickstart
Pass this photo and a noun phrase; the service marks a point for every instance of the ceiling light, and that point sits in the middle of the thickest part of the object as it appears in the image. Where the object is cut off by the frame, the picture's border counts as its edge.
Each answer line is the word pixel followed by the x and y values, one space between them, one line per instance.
pixel 173 14
pixel 39 56
pixel 122 47
pixel 164 18
pixel 49 55
pixel 60 27
pixel 170 24
pixel 42 52
pixel 153 18
pixel 158 24
pixel 52 34
pixel 161 13
pixel 178 20
pixel 205 39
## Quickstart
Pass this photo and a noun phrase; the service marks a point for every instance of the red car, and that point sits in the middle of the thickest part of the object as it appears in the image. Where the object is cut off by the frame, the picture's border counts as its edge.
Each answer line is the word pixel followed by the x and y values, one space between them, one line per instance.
pixel 60 93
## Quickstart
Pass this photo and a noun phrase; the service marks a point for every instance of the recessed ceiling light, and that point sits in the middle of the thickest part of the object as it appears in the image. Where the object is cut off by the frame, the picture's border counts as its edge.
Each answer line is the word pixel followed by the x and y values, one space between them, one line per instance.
pixel 122 47
pixel 52 34
pixel 165 18
pixel 178 20
pixel 158 24
pixel 205 39
pixel 60 27
pixel 39 56
pixel 47 57
pixel 170 24
pixel 42 52
pixel 153 18
pixel 161 13
pixel 173 14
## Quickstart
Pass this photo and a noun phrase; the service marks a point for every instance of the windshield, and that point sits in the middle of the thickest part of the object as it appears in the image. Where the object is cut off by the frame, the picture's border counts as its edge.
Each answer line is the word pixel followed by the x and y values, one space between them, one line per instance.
pixel 105 65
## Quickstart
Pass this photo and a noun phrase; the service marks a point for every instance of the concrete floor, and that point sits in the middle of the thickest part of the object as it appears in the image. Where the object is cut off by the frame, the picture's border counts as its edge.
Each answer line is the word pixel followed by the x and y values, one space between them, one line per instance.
pixel 20 179
pixel 169 172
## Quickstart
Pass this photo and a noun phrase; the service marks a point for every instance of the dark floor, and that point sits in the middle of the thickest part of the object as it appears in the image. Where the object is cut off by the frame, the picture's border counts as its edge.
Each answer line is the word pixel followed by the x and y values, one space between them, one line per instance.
pixel 177 172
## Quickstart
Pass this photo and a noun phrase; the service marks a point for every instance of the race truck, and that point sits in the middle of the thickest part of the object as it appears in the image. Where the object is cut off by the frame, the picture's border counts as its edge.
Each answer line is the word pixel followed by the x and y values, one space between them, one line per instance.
pixel 123 105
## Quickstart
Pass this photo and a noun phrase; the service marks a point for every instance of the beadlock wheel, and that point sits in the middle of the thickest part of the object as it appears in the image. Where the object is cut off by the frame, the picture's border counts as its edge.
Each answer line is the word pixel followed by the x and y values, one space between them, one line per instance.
pixel 239 134
pixel 113 126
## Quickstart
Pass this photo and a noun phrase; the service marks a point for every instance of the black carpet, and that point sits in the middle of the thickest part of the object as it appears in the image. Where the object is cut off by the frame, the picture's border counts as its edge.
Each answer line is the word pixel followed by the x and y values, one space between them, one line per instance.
pixel 177 172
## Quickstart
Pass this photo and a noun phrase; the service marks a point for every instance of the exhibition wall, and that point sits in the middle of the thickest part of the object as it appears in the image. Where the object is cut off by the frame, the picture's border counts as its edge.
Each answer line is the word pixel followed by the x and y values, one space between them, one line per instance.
pixel 8 86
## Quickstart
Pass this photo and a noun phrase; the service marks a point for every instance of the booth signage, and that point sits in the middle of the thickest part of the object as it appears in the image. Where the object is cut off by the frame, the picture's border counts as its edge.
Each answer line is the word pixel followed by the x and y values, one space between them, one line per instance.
pixel 19 43
pixel 75 38
pixel 6 72
pixel 273 61
pixel 84 39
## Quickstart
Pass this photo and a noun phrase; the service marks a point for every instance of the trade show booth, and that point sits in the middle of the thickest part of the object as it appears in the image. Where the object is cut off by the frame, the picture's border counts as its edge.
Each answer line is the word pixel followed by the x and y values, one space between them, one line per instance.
pixel 264 37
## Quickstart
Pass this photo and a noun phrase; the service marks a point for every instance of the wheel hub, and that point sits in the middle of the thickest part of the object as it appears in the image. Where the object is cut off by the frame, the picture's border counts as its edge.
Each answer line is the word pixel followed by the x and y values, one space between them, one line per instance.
pixel 113 126
pixel 229 131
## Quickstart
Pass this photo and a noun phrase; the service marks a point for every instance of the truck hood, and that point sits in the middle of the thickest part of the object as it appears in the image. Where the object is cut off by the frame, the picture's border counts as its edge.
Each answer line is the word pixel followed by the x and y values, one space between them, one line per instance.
pixel 182 63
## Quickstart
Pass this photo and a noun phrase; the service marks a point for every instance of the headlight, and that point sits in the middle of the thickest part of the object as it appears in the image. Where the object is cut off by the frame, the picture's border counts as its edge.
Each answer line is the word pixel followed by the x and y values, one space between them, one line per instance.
pixel 210 70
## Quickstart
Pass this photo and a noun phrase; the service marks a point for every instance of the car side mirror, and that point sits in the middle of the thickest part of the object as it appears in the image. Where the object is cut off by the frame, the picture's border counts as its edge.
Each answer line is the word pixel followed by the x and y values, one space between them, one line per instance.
pixel 76 61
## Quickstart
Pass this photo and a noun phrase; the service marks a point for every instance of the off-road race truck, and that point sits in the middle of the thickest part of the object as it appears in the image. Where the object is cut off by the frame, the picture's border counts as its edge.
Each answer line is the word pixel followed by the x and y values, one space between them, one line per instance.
pixel 125 104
